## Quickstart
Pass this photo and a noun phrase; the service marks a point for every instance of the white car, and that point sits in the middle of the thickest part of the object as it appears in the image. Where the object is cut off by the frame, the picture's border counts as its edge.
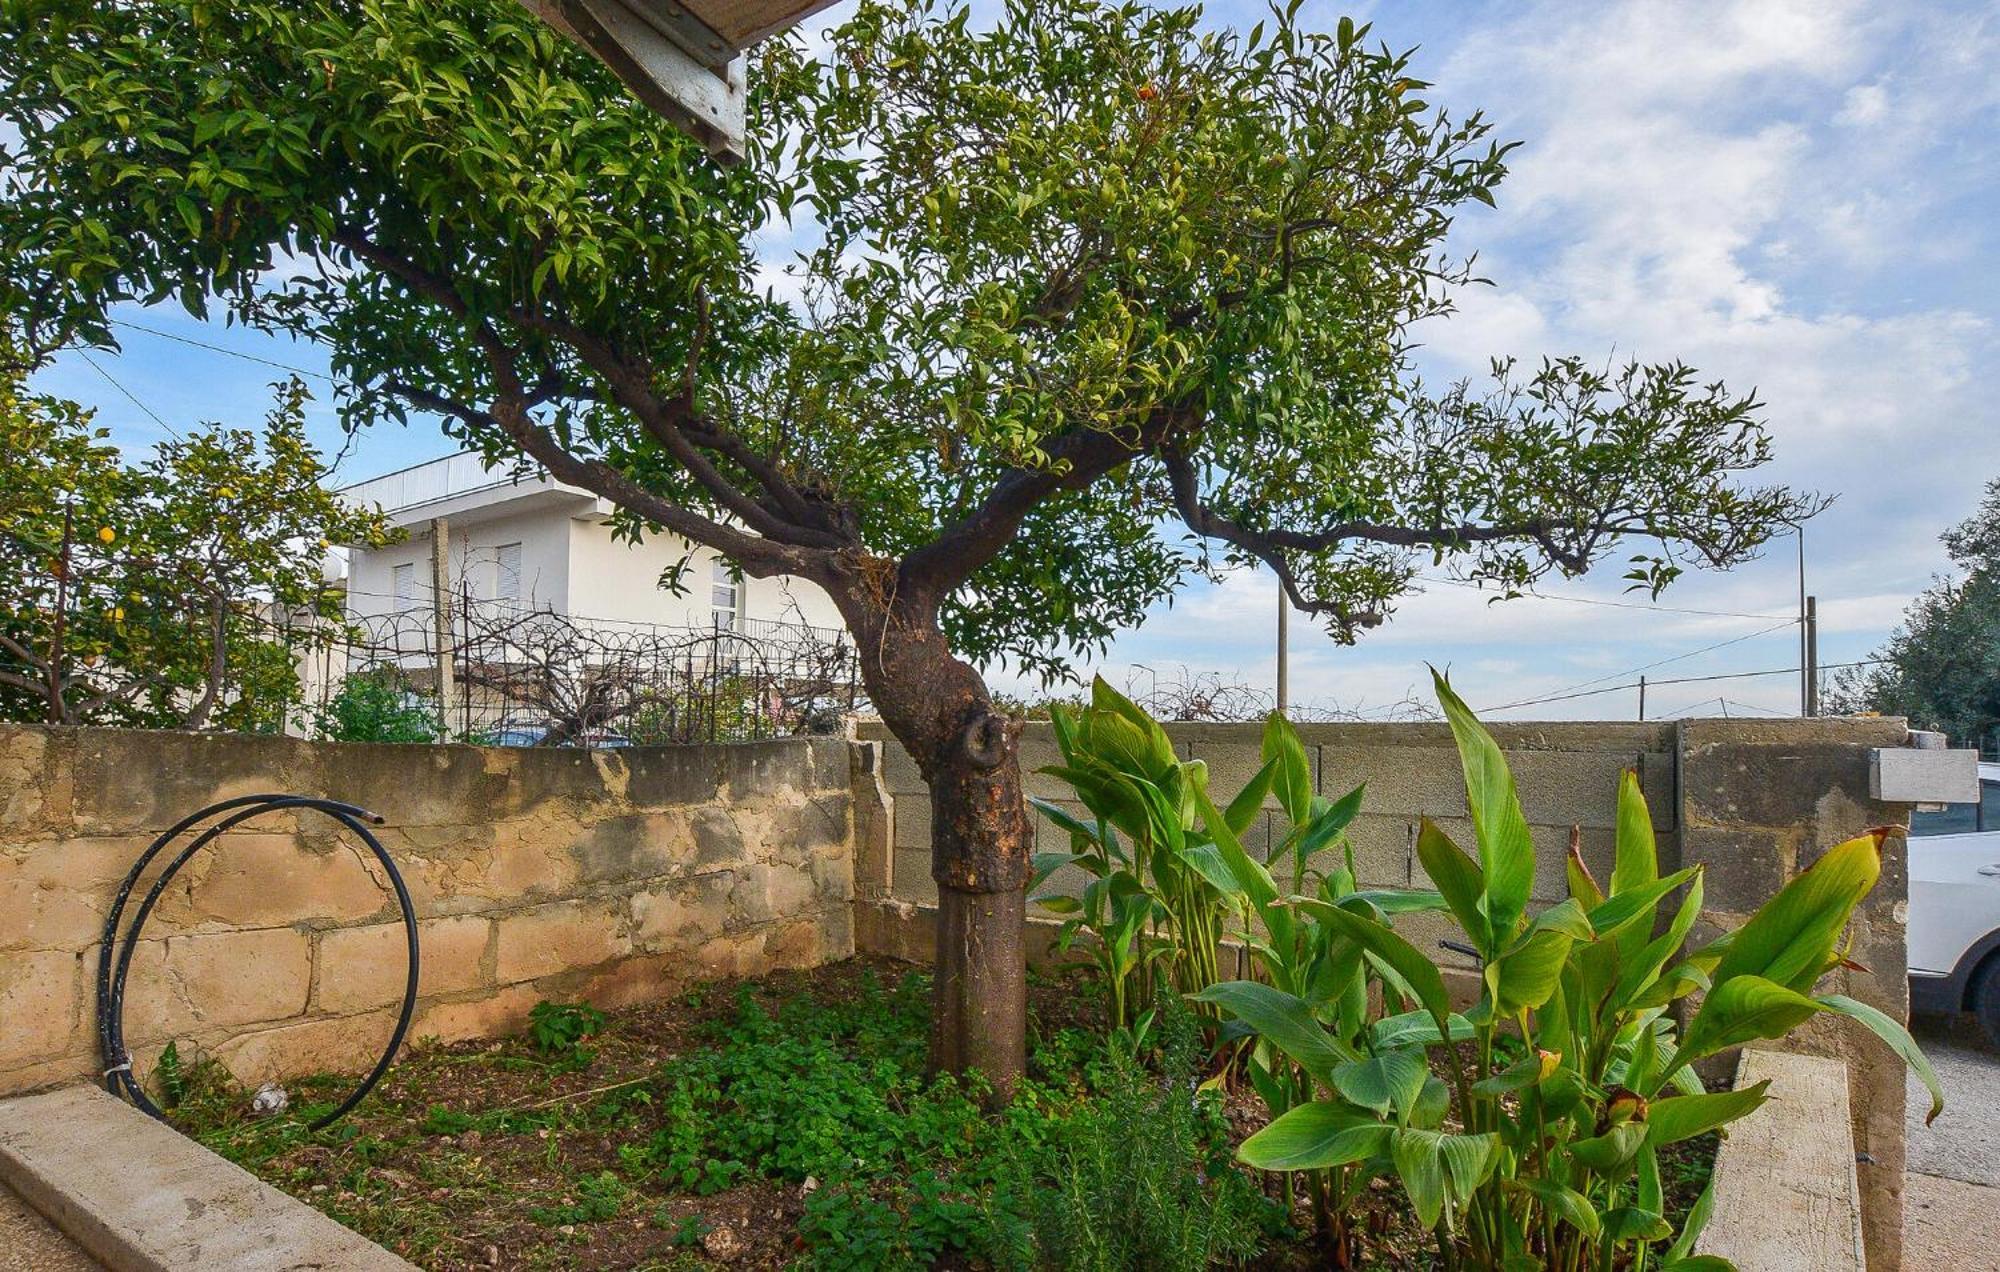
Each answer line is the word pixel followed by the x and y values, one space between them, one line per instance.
pixel 1954 928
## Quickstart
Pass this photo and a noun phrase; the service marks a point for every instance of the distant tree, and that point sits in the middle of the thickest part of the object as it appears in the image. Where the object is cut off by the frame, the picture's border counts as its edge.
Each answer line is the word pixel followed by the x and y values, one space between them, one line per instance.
pixel 169 593
pixel 1100 302
pixel 373 706
pixel 1942 666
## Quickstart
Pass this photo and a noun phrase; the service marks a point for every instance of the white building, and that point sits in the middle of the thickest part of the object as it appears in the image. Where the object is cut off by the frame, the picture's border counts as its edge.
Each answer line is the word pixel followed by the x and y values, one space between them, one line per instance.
pixel 537 544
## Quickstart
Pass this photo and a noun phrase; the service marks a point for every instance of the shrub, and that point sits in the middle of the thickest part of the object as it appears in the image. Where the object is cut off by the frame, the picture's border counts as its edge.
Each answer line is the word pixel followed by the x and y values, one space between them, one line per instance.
pixel 371 707
pixel 1140 1177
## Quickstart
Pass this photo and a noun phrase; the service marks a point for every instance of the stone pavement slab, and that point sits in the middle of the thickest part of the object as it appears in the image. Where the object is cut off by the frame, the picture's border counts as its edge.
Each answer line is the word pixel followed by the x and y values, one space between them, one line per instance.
pixel 29 1244
pixel 139 1195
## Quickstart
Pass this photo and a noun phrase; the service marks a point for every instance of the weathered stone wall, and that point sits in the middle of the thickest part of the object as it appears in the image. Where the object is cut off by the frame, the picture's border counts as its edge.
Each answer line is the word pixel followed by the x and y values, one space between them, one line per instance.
pixel 1754 802
pixel 1760 801
pixel 608 876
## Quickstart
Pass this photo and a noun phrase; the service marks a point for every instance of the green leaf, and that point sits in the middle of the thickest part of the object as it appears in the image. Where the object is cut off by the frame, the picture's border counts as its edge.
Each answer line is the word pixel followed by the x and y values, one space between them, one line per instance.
pixel 1418 972
pixel 1636 862
pixel 1743 1009
pixel 1058 903
pixel 1285 1021
pixel 1415 1028
pixel 1607 1152
pixel 1692 1227
pixel 1680 1117
pixel 1566 1204
pixel 1315 1136
pixel 1891 1031
pixel 1249 802
pixel 1791 937
pixel 1330 822
pixel 1634 1223
pixel 1506 849
pixel 1292 783
pixel 1251 877
pixel 1525 976
pixel 1386 1081
pixel 1458 879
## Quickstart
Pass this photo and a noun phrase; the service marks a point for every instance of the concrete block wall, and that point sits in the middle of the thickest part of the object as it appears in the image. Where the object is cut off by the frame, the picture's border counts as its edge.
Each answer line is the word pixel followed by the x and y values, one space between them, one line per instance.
pixel 608 876
pixel 1567 773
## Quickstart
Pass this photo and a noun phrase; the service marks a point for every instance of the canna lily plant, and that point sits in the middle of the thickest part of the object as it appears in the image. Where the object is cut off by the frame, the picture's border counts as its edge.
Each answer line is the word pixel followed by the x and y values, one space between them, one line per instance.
pixel 1552 1160
pixel 1170 878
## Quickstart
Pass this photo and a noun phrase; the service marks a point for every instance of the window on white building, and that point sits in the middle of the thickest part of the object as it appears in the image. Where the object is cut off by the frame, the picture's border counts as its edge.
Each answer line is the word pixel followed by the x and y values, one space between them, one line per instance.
pixel 725 595
pixel 507 572
pixel 406 587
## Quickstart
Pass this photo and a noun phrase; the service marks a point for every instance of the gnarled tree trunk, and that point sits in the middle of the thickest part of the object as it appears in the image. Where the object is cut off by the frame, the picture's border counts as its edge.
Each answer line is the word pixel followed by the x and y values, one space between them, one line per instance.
pixel 982 842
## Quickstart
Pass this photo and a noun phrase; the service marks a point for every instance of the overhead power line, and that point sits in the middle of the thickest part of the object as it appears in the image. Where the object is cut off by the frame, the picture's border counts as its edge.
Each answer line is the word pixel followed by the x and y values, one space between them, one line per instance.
pixel 1569 690
pixel 1686 680
pixel 222 349
pixel 132 397
pixel 1624 605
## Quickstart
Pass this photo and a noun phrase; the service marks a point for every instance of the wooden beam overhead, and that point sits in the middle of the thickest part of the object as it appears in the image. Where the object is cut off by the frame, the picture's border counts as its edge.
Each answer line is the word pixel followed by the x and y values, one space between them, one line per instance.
pixel 682 58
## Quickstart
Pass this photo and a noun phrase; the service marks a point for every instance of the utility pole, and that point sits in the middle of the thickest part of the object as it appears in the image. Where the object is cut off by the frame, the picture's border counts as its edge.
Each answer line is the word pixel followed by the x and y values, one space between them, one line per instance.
pixel 1812 656
pixel 1642 697
pixel 1805 653
pixel 1284 649
pixel 447 688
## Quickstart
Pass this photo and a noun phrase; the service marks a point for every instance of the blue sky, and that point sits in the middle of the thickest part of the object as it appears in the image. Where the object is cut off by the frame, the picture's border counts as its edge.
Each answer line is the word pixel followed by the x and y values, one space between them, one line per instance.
pixel 1791 196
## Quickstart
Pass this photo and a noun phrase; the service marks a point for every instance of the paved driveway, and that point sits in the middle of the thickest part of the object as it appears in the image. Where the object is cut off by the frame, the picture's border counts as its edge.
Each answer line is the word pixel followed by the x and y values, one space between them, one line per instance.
pixel 1952 1207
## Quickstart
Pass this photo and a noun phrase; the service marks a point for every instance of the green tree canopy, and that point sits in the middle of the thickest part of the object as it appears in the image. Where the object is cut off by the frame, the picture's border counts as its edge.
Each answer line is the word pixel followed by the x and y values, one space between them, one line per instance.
pixel 173 592
pixel 1942 666
pixel 1106 300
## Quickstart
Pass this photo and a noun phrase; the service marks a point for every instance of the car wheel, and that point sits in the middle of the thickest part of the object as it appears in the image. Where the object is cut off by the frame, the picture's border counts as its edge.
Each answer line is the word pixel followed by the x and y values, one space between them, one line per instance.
pixel 1985 999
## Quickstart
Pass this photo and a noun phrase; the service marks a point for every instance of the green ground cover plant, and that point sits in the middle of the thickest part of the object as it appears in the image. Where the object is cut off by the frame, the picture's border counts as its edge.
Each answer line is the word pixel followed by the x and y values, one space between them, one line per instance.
pixel 799 1120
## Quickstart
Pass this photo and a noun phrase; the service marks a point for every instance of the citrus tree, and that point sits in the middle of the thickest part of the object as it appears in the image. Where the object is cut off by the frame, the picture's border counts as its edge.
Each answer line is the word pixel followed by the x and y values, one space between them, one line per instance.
pixel 1095 300
pixel 173 592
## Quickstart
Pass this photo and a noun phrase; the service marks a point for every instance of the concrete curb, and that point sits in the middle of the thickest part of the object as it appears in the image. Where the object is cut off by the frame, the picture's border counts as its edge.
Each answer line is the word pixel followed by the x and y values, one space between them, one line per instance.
pixel 141 1197
pixel 1786 1198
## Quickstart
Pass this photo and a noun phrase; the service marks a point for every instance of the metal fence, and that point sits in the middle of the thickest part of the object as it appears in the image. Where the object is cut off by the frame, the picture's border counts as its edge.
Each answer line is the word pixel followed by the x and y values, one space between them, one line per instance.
pixel 526 677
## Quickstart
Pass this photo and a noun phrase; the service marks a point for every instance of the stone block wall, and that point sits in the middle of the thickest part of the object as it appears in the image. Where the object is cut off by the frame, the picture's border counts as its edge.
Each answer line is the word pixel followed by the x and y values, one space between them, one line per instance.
pixel 607 876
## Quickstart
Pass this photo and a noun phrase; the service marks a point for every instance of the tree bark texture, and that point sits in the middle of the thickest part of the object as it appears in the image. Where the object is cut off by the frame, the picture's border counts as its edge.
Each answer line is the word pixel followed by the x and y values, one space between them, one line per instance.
pixel 982 842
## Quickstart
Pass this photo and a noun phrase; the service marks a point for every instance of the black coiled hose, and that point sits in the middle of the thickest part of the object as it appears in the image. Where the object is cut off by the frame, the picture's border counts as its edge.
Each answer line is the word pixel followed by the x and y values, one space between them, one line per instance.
pixel 118 1077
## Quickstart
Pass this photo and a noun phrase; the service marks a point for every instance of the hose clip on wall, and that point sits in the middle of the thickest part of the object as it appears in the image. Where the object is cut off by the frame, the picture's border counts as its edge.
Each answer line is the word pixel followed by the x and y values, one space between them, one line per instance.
pixel 118 1076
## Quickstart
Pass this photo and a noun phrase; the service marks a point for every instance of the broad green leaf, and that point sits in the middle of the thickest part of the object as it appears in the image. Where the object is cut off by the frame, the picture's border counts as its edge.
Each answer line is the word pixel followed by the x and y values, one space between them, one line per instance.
pixel 1386 1081
pixel 1284 1020
pixel 1418 972
pixel 1891 1031
pixel 1438 1168
pixel 1637 975
pixel 1328 823
pixel 1525 976
pixel 1635 1223
pixel 1398 900
pixel 1315 1136
pixel 1251 877
pixel 1699 1263
pixel 1566 1204
pixel 1743 1009
pixel 1520 1075
pixel 1582 884
pixel 1064 818
pixel 1292 783
pixel 1046 864
pixel 1249 802
pixel 1415 1028
pixel 1680 1117
pixel 1693 1226
pixel 1506 849
pixel 1790 937
pixel 1566 916
pixel 1458 879
pixel 1057 903
pixel 1635 902
pixel 1636 862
